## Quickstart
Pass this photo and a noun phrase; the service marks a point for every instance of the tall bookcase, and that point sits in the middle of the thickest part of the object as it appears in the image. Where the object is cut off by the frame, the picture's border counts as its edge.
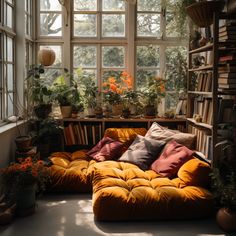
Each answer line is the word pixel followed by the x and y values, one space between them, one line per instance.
pixel 205 94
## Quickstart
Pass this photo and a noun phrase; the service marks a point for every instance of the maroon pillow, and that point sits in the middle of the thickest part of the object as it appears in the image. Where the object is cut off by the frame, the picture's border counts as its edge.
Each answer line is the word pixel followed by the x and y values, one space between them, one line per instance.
pixel 173 156
pixel 106 149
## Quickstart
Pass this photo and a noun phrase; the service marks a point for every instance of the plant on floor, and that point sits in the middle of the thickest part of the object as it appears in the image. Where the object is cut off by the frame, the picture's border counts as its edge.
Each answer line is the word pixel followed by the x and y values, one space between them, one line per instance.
pixel 224 186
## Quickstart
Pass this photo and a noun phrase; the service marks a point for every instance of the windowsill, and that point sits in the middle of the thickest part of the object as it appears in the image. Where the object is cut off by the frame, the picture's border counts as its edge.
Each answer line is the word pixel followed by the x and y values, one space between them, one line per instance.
pixel 10 126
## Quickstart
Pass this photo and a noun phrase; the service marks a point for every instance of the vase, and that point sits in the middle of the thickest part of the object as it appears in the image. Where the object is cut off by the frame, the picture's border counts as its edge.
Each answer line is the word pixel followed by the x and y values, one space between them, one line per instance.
pixel 26 199
pixel 117 109
pixel 66 111
pixel 150 111
pixel 226 219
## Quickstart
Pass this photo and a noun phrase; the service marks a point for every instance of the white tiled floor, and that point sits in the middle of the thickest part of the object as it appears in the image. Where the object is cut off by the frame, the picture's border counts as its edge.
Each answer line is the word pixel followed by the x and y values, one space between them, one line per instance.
pixel 71 215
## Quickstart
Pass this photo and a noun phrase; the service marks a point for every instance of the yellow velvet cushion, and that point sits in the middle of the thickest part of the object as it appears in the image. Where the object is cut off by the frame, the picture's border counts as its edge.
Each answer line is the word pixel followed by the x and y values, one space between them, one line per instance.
pixel 195 172
pixel 125 135
pixel 133 194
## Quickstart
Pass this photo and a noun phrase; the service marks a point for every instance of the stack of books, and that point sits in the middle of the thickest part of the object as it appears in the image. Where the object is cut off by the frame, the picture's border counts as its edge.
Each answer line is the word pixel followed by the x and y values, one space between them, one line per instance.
pixel 227 32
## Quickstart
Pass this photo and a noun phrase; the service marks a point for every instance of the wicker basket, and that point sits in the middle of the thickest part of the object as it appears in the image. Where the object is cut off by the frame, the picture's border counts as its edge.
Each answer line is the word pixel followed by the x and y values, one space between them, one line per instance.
pixel 201 13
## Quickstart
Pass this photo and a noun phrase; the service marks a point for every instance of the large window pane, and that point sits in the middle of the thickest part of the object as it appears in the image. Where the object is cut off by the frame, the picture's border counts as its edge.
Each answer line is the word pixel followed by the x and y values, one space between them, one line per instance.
pixel 113 56
pixel 85 25
pixel 113 25
pixel 9 49
pixel 50 5
pixel 10 105
pixel 148 25
pixel 142 78
pixel 149 5
pixel 148 56
pixel 10 77
pixel 51 24
pixel 176 69
pixel 9 16
pixel 82 5
pixel 85 56
pixel 113 5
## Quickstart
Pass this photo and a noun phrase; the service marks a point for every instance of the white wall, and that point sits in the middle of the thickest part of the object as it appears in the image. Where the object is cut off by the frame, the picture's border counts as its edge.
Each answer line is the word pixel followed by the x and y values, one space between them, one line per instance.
pixel 7 143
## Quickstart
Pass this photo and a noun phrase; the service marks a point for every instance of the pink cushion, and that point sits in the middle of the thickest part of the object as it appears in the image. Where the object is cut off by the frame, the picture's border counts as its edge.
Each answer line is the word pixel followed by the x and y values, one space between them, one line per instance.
pixel 173 156
pixel 106 149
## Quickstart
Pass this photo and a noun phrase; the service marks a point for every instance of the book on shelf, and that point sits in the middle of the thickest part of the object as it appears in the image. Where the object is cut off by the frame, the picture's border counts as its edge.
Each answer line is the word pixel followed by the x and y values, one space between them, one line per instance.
pixel 227 58
pixel 227 68
pixel 224 81
pixel 228 32
pixel 227 37
pixel 228 75
pixel 227 86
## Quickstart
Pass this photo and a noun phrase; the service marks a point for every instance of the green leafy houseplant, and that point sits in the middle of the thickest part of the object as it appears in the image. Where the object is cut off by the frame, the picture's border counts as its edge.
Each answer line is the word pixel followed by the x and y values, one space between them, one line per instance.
pixel 38 92
pixel 223 179
pixel 88 89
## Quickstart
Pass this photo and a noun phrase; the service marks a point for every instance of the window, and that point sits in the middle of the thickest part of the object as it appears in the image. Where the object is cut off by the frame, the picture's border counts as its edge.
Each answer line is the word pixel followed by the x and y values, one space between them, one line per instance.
pixel 105 37
pixel 102 25
pixel 159 48
pixel 7 60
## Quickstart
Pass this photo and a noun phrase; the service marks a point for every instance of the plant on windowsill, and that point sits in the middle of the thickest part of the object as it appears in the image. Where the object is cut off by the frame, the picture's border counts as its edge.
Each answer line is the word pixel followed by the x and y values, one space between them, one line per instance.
pixel 38 92
pixel 114 89
pixel 153 95
pixel 63 93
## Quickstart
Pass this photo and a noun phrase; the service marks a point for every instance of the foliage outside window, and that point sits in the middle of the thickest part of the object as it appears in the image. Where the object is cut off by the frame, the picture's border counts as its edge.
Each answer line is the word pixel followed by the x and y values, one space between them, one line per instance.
pixel 100 43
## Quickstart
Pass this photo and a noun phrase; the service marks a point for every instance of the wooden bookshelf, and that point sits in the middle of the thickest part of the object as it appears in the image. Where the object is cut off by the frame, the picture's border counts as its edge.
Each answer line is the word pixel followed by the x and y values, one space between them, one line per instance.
pixel 88 131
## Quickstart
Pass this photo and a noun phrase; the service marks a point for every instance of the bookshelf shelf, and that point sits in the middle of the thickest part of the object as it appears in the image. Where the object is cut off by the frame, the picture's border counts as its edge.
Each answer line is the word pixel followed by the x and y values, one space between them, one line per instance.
pixel 207 47
pixel 206 94
pixel 200 124
pixel 208 67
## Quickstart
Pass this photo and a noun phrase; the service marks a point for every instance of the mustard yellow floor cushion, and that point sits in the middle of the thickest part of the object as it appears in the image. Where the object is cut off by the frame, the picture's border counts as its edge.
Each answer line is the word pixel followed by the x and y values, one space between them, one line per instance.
pixel 122 193
pixel 70 171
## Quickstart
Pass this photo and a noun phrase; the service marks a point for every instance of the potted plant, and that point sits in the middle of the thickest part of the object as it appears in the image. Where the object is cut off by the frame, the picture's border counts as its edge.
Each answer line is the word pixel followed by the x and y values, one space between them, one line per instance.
pixel 47 136
pixel 114 88
pixel 63 93
pixel 132 100
pixel 153 95
pixel 39 93
pixel 88 90
pixel 224 186
pixel 21 181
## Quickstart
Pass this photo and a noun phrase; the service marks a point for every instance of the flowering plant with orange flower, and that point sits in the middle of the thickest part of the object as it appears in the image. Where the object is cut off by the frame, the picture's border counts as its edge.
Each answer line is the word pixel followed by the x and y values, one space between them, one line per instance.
pixel 25 172
pixel 116 85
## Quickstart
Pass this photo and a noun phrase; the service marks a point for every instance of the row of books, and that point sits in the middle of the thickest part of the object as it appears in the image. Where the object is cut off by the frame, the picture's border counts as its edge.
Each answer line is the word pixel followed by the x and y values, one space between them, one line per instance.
pixel 227 31
pixel 84 134
pixel 204 81
pixel 203 141
pixel 203 107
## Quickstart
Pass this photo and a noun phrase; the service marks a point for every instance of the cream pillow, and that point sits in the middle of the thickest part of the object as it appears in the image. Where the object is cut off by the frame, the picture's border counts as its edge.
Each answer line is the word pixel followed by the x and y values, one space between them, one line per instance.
pixel 158 132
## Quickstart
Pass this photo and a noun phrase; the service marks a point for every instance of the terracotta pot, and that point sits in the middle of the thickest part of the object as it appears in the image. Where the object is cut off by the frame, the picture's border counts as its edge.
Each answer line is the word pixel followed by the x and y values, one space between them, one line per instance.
pixel 117 109
pixel 226 219
pixel 66 111
pixel 150 110
pixel 23 143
